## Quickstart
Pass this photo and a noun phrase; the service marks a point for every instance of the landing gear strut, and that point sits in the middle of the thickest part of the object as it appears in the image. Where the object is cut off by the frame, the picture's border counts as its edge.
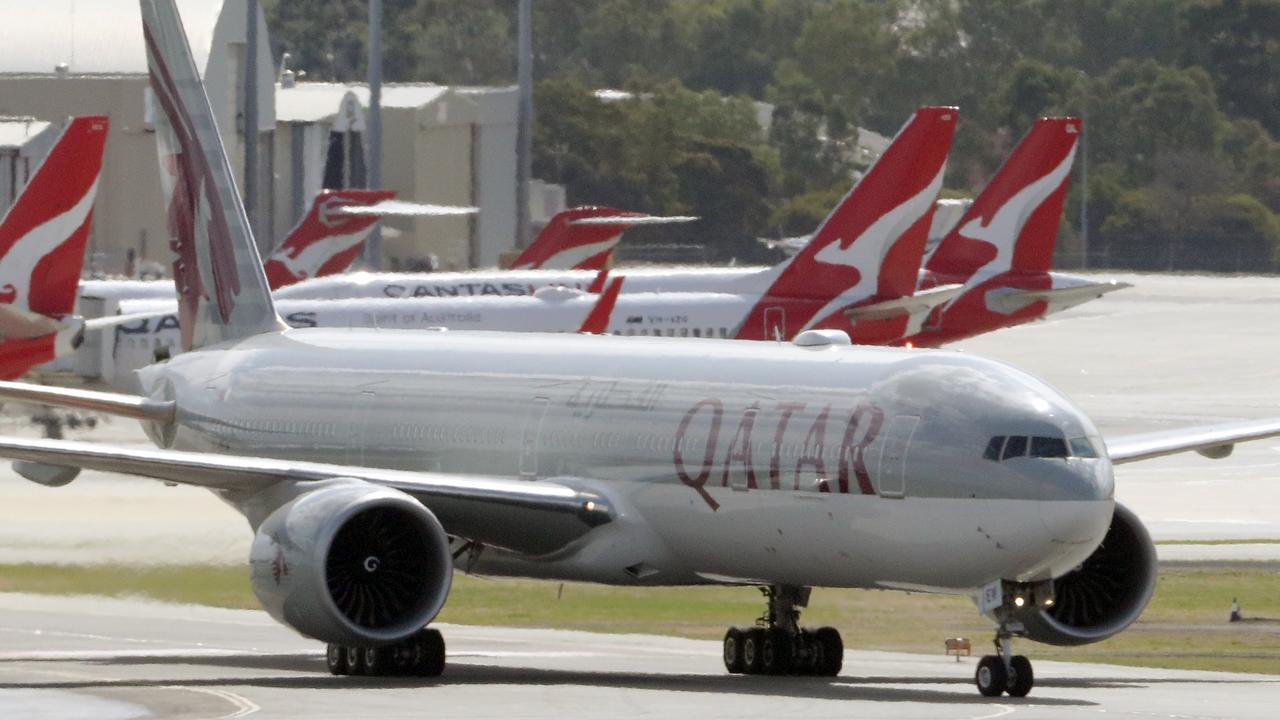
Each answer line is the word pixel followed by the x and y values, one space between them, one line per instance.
pixel 422 655
pixel 777 645
pixel 1004 672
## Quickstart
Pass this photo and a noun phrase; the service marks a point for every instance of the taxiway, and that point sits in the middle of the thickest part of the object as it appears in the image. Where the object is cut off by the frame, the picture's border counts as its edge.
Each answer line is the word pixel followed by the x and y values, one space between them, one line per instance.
pixel 120 659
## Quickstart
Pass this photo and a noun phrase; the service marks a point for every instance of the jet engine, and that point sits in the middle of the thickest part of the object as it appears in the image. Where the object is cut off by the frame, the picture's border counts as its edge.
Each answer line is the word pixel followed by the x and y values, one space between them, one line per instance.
pixel 1101 597
pixel 352 564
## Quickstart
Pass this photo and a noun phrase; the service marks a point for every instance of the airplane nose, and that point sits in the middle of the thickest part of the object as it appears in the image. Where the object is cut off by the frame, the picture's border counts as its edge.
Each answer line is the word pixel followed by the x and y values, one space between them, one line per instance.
pixel 1076 503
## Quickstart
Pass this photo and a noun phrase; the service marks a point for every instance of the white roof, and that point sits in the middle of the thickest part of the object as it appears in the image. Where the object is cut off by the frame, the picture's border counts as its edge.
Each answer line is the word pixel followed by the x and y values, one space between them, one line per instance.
pixel 15 132
pixel 313 101
pixel 93 37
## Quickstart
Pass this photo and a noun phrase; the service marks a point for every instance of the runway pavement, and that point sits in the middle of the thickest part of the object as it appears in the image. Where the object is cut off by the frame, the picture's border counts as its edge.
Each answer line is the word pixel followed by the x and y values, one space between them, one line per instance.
pixel 118 659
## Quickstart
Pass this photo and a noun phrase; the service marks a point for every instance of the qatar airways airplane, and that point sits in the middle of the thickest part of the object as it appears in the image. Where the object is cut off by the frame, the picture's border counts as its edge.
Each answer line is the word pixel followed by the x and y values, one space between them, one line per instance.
pixel 42 240
pixel 373 464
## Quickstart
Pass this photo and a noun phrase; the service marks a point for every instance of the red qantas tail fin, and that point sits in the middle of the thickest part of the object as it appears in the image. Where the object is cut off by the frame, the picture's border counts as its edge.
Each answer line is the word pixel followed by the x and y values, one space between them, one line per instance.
pixel 1013 223
pixel 43 235
pixel 324 242
pixel 597 321
pixel 566 245
pixel 872 242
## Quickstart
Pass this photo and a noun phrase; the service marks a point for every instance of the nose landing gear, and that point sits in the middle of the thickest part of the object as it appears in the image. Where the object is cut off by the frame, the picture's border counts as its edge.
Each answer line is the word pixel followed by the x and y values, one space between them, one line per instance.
pixel 1004 672
pixel 777 645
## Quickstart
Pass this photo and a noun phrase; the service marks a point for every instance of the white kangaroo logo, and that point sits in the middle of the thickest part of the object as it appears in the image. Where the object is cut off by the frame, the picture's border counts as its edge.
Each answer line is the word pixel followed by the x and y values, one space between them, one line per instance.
pixel 19 263
pixel 307 262
pixel 867 251
pixel 1006 224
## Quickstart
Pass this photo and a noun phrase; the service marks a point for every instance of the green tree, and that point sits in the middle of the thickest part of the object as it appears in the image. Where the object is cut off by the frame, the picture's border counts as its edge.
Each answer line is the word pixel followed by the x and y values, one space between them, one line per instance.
pixel 1238 43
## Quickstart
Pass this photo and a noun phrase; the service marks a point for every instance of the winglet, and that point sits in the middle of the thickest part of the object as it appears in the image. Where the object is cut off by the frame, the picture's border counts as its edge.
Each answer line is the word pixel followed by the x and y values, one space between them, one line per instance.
pixel 564 245
pixel 222 290
pixel 42 236
pixel 1013 223
pixel 597 321
pixel 325 241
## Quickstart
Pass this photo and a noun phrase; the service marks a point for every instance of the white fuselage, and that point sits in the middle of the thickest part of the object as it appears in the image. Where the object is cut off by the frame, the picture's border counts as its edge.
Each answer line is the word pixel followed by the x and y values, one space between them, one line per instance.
pixel 724 461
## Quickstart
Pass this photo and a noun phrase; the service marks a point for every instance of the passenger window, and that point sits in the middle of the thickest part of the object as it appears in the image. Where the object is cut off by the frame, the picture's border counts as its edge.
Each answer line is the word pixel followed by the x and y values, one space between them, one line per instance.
pixel 1082 448
pixel 1016 447
pixel 993 449
pixel 1048 447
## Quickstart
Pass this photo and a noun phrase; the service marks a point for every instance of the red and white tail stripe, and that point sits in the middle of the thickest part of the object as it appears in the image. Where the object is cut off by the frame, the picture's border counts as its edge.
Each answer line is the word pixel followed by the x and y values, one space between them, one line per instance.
pixel 597 321
pixel 564 245
pixel 324 242
pixel 857 250
pixel 42 237
pixel 1013 223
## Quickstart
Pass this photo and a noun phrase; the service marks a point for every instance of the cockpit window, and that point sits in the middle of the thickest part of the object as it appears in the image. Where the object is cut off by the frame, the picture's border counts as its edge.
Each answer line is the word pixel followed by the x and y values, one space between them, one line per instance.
pixel 1048 447
pixel 1015 447
pixel 1001 447
pixel 1082 448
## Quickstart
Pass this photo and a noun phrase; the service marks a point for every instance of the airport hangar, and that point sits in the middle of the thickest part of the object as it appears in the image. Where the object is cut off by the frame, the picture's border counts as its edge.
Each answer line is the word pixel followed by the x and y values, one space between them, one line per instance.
pixel 61 58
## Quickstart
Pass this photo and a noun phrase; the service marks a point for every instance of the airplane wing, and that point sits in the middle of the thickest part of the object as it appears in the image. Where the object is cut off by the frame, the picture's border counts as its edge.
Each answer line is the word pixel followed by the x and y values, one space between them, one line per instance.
pixel 1212 441
pixel 403 208
pixel 1009 301
pixel 920 301
pixel 495 511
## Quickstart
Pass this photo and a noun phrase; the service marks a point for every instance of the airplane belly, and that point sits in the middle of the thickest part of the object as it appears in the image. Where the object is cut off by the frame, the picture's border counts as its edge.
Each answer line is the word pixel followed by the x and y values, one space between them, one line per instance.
pixel 950 546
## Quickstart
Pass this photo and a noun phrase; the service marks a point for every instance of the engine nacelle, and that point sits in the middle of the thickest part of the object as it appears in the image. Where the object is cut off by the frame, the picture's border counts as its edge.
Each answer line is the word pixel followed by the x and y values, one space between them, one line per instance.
pixel 1104 595
pixel 352 563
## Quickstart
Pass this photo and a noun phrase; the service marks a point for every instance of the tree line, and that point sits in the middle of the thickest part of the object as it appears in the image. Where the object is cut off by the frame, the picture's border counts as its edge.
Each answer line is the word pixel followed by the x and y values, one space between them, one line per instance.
pixel 1181 100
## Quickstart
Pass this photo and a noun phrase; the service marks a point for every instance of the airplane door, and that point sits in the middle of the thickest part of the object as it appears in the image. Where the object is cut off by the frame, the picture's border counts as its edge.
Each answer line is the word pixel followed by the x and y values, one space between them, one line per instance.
pixel 893 456
pixel 533 418
pixel 360 411
pixel 775 322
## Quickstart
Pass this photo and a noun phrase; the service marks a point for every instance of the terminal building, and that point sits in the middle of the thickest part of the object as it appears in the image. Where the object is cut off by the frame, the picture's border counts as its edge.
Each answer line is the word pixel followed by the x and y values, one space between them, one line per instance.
pixel 443 145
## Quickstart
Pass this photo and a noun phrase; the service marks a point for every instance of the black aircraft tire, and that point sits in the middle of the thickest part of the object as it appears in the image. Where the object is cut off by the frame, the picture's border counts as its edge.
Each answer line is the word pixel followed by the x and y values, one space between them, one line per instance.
pixel 430 653
pixel 733 650
pixel 335 657
pixel 355 661
pixel 777 652
pixel 991 678
pixel 1023 678
pixel 753 651
pixel 832 645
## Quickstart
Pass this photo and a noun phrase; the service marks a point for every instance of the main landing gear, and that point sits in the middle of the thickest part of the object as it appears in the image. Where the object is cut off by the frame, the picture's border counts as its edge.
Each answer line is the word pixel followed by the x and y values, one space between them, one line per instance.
pixel 777 645
pixel 422 655
pixel 1004 672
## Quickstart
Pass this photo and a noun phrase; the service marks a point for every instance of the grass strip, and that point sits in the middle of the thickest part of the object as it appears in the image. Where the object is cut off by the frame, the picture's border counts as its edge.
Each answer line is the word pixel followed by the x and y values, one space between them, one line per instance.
pixel 1185 626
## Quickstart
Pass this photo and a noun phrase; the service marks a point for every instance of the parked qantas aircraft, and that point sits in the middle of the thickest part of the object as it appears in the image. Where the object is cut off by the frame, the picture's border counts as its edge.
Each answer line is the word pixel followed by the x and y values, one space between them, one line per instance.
pixel 864 257
pixel 42 240
pixel 583 238
pixel 324 242
pixel 1002 248
pixel 999 254
pixel 371 464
